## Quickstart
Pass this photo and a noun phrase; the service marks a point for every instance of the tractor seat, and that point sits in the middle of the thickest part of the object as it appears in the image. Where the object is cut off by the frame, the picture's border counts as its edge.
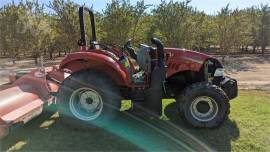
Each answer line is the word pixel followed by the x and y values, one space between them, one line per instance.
pixel 144 62
pixel 136 78
pixel 144 58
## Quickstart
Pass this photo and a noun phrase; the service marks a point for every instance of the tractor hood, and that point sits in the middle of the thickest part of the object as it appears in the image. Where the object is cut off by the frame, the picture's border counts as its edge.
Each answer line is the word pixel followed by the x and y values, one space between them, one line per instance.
pixel 179 60
pixel 176 53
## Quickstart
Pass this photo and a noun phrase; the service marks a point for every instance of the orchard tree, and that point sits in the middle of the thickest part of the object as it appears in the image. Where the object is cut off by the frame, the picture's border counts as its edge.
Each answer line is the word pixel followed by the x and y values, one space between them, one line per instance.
pixel 65 23
pixel 37 29
pixel 264 27
pixel 140 22
pixel 225 29
pixel 11 30
pixel 171 19
pixel 27 29
pixel 254 21
pixel 117 22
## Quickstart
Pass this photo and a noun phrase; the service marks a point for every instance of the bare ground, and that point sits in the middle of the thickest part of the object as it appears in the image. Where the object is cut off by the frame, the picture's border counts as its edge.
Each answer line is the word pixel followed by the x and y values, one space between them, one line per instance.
pixel 251 72
pixel 7 67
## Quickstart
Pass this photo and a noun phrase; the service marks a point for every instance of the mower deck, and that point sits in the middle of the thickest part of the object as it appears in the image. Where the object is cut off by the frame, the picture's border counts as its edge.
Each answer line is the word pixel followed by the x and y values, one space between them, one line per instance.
pixel 24 99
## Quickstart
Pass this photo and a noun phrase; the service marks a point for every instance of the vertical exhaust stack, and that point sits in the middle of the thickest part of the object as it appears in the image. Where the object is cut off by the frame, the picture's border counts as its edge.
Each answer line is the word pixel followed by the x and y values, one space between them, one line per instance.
pixel 83 42
pixel 160 51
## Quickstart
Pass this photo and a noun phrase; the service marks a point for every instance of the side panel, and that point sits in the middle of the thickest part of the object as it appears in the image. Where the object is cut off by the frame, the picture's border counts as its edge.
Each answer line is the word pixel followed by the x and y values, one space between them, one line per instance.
pixel 91 60
pixel 183 60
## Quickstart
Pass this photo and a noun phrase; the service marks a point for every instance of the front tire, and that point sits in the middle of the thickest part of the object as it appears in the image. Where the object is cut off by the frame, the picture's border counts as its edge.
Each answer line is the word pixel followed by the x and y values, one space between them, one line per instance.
pixel 203 105
pixel 88 98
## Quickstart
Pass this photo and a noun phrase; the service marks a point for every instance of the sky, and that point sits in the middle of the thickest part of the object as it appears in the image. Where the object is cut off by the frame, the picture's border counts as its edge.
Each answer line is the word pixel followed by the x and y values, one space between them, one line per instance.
pixel 208 6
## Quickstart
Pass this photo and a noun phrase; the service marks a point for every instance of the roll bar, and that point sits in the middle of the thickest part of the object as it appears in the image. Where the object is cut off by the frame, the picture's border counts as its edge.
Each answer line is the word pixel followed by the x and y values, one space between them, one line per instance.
pixel 83 41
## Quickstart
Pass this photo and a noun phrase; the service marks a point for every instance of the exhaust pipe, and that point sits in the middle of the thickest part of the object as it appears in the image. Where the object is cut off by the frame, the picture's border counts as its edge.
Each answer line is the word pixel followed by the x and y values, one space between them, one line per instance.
pixel 160 51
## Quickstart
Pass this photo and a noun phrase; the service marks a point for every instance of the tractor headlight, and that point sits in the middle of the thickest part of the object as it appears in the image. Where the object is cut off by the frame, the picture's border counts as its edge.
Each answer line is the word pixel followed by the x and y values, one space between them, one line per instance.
pixel 220 72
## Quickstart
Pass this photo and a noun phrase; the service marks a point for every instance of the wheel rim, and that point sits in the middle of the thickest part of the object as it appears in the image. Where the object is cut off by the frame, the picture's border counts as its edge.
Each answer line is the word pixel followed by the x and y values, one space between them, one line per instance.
pixel 86 104
pixel 204 109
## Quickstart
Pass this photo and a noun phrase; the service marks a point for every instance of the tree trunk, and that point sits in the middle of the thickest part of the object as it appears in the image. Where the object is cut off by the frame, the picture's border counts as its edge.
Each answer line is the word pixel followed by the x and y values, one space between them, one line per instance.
pixel 246 48
pixel 223 59
pixel 13 60
pixel 51 55
pixel 36 60
pixel 59 54
pixel 263 49
pixel 254 49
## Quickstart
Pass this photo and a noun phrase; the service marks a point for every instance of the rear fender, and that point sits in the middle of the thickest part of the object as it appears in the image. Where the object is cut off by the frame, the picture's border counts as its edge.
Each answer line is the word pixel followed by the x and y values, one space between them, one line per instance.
pixel 90 60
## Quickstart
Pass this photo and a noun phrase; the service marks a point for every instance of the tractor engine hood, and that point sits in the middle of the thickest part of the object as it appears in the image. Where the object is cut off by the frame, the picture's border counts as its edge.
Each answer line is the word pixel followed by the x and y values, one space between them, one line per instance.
pixel 176 53
pixel 179 60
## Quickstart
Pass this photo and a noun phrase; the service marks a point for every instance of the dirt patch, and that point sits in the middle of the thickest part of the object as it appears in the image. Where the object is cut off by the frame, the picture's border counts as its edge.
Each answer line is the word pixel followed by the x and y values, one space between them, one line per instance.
pixel 7 67
pixel 252 72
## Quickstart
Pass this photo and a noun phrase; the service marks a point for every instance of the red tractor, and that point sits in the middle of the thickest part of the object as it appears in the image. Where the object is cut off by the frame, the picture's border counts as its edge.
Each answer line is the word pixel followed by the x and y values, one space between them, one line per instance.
pixel 90 84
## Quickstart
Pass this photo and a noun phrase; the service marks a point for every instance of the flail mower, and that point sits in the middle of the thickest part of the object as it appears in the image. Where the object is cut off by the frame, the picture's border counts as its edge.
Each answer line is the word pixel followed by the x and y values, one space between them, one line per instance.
pixel 89 85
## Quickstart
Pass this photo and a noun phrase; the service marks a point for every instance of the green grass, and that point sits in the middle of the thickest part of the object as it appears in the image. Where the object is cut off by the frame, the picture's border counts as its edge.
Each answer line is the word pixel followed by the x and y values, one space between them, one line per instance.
pixel 247 129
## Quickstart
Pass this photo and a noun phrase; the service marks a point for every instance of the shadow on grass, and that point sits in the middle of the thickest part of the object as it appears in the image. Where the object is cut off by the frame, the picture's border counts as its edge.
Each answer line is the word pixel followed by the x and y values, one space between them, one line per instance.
pixel 47 133
pixel 219 138
pixel 126 133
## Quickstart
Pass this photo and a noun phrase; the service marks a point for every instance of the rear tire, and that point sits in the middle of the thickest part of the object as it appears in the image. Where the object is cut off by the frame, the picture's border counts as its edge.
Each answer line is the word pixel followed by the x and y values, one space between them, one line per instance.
pixel 204 105
pixel 88 99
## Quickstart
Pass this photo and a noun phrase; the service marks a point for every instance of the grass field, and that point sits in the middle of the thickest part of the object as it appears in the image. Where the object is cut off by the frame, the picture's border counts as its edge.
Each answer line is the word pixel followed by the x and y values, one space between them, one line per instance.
pixel 247 129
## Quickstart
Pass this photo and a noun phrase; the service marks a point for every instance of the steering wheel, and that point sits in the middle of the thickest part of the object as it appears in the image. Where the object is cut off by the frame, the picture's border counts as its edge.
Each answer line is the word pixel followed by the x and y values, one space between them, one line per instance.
pixel 128 47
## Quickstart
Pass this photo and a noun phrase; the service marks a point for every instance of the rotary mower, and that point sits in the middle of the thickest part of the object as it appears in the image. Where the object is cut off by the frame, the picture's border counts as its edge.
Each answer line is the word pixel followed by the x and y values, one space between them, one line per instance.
pixel 88 85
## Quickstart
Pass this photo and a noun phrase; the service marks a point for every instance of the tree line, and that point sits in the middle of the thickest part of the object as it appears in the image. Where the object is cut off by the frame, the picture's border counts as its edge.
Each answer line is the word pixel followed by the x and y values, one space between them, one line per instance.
pixel 30 28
